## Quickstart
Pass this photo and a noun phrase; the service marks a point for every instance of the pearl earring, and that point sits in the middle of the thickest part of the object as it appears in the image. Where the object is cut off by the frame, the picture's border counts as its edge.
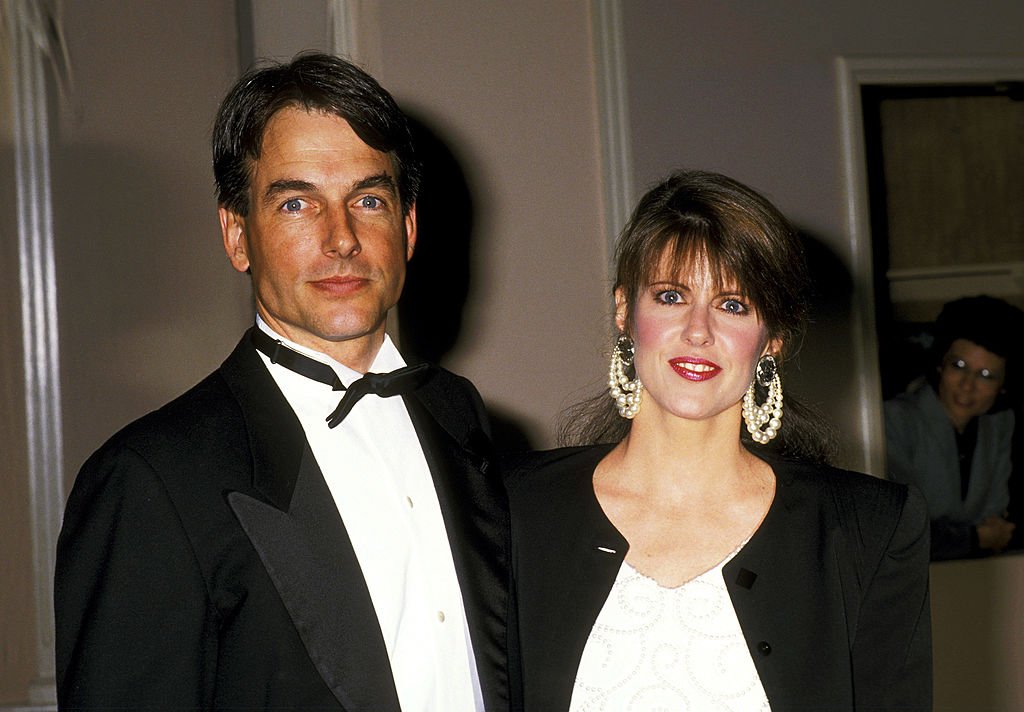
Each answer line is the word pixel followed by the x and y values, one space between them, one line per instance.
pixel 764 421
pixel 624 391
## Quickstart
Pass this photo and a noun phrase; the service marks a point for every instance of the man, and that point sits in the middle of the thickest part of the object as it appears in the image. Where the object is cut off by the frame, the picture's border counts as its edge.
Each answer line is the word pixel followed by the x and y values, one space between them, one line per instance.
pixel 254 545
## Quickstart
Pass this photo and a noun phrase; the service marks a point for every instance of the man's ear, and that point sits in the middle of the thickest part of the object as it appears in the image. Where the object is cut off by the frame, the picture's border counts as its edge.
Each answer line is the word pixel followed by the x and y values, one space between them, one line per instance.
pixel 410 232
pixel 621 310
pixel 232 230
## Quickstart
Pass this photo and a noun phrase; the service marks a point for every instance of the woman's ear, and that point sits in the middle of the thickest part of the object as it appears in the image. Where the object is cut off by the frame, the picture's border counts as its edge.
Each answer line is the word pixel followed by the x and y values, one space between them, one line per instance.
pixel 621 310
pixel 773 347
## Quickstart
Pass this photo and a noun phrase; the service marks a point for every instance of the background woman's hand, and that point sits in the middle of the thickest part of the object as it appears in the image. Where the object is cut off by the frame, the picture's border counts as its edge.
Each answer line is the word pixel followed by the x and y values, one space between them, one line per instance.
pixel 994 533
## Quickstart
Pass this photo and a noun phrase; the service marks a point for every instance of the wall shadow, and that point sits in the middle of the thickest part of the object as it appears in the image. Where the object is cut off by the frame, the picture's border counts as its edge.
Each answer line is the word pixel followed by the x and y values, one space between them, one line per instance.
pixel 439 280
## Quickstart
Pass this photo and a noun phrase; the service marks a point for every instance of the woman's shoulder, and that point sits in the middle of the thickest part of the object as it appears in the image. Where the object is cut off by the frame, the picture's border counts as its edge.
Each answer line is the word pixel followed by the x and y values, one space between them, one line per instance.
pixel 551 468
pixel 829 479
pixel 867 503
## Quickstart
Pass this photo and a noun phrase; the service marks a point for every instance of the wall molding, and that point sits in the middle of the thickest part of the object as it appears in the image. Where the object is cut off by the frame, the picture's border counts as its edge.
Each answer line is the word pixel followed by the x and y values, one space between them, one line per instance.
pixel 616 167
pixel 33 42
pixel 852 73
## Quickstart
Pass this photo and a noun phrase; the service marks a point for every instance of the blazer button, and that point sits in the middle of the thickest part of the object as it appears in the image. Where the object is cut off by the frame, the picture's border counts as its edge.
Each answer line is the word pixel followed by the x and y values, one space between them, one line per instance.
pixel 764 648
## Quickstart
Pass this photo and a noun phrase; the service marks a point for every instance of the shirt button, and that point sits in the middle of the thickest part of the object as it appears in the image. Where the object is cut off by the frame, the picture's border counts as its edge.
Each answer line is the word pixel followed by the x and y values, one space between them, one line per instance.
pixel 440 616
pixel 764 648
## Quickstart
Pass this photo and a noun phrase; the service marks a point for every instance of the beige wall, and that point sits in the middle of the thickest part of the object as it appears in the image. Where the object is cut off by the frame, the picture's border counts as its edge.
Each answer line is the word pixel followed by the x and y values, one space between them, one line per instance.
pixel 510 88
pixel 148 302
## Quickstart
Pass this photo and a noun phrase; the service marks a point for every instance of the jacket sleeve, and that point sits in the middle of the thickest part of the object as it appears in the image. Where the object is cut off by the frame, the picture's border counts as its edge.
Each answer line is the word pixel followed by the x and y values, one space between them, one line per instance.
pixel 134 629
pixel 892 655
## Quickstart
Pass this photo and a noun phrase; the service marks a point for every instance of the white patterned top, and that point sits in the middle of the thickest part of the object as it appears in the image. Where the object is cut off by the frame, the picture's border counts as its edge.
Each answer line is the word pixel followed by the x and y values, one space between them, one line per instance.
pixel 667 649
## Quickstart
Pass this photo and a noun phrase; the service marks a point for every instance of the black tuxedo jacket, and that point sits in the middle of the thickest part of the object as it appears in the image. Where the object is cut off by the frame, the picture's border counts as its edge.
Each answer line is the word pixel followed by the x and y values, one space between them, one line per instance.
pixel 203 564
pixel 831 592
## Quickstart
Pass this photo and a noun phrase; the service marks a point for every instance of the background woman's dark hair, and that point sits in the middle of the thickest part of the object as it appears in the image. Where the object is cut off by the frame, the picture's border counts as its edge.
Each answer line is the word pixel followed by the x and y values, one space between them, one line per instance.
pixel 314 82
pixel 991 323
pixel 700 217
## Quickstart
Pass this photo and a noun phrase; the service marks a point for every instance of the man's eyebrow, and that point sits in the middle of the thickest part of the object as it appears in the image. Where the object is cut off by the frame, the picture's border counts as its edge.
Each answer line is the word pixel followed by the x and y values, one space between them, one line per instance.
pixel 381 180
pixel 287 185
pixel 290 185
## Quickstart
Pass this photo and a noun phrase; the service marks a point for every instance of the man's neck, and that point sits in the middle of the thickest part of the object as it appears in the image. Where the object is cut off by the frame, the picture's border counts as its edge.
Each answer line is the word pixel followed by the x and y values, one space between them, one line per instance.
pixel 357 354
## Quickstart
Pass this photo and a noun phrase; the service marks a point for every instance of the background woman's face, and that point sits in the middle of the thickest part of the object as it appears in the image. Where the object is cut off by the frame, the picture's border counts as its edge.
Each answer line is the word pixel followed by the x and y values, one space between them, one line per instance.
pixel 970 380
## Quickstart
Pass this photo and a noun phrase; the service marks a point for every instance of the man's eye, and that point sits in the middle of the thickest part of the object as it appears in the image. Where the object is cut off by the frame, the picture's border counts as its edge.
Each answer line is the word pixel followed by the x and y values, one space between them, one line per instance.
pixel 370 202
pixel 669 296
pixel 292 206
pixel 959 364
pixel 986 374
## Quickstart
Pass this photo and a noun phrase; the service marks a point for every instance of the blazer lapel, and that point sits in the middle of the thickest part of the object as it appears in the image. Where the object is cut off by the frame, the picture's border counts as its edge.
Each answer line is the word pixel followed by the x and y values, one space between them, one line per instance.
pixel 293 524
pixel 784 612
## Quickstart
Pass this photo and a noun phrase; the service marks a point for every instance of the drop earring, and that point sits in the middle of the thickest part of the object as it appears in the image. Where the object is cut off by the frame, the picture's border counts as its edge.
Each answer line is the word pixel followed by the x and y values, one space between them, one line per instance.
pixel 625 391
pixel 764 421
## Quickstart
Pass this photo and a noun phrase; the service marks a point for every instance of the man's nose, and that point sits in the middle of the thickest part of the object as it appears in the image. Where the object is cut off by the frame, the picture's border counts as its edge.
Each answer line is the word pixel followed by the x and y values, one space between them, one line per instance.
pixel 340 238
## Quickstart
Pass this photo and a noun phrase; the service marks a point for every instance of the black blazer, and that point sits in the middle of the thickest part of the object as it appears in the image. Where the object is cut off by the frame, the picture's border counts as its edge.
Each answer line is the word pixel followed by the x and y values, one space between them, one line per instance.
pixel 203 564
pixel 831 591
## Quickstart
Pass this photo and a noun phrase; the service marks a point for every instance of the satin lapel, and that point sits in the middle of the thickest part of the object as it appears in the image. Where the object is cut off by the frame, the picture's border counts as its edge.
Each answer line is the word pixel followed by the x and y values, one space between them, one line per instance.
pixel 295 527
pixel 276 438
pixel 475 514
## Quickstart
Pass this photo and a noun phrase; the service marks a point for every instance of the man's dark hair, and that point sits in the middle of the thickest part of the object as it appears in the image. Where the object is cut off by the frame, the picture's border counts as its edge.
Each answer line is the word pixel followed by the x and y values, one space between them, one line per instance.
pixel 314 82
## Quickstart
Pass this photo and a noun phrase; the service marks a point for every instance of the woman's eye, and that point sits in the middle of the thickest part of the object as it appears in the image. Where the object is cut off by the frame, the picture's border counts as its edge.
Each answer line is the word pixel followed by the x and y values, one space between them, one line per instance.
pixel 669 296
pixel 986 374
pixel 959 364
pixel 734 306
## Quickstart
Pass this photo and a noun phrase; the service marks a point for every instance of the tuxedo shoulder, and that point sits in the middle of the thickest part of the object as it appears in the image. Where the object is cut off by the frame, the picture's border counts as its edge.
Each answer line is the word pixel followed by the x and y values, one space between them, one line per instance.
pixel 452 384
pixel 196 414
pixel 203 425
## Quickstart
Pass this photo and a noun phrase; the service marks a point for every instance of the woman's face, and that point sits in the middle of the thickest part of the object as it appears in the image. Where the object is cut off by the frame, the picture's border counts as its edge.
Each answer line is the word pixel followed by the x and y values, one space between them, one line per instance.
pixel 696 343
pixel 970 380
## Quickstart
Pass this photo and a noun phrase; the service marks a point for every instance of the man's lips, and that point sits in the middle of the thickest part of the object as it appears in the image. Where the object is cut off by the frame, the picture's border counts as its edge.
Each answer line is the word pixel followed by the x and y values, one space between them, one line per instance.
pixel 695 369
pixel 340 285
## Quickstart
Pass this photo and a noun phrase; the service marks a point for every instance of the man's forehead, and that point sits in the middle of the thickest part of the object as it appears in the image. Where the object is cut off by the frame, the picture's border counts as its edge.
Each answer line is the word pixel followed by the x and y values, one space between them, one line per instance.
pixel 296 135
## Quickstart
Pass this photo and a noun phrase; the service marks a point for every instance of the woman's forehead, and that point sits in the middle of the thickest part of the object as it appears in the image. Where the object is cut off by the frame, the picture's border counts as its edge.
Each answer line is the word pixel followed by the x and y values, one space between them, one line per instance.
pixel 691 268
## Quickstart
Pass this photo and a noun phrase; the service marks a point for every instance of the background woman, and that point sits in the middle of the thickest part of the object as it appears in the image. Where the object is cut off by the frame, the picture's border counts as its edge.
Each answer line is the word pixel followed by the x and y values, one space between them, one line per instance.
pixel 951 433
pixel 702 555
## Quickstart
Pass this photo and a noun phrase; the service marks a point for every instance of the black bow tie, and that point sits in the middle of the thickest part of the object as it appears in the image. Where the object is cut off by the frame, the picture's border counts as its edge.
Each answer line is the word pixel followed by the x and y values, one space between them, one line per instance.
pixel 385 385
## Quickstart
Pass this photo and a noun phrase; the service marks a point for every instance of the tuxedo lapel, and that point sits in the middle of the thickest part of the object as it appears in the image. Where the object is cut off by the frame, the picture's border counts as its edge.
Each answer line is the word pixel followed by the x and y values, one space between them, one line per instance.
pixel 310 559
pixel 292 521
pixel 474 509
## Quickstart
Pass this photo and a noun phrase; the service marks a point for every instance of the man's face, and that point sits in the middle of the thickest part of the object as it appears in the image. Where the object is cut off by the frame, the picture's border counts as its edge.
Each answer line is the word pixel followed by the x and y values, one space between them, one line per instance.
pixel 325 238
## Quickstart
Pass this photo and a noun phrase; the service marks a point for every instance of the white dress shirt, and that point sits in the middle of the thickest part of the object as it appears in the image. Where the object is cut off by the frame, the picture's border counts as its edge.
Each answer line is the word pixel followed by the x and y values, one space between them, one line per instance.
pixel 374 465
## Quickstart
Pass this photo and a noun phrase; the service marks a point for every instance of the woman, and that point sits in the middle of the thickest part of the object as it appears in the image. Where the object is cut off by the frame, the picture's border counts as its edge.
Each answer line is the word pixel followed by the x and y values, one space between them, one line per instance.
pixel 951 434
pixel 687 563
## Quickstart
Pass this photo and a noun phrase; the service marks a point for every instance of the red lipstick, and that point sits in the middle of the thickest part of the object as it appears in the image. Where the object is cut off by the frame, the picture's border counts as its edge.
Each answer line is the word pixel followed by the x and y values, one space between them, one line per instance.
pixel 695 369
